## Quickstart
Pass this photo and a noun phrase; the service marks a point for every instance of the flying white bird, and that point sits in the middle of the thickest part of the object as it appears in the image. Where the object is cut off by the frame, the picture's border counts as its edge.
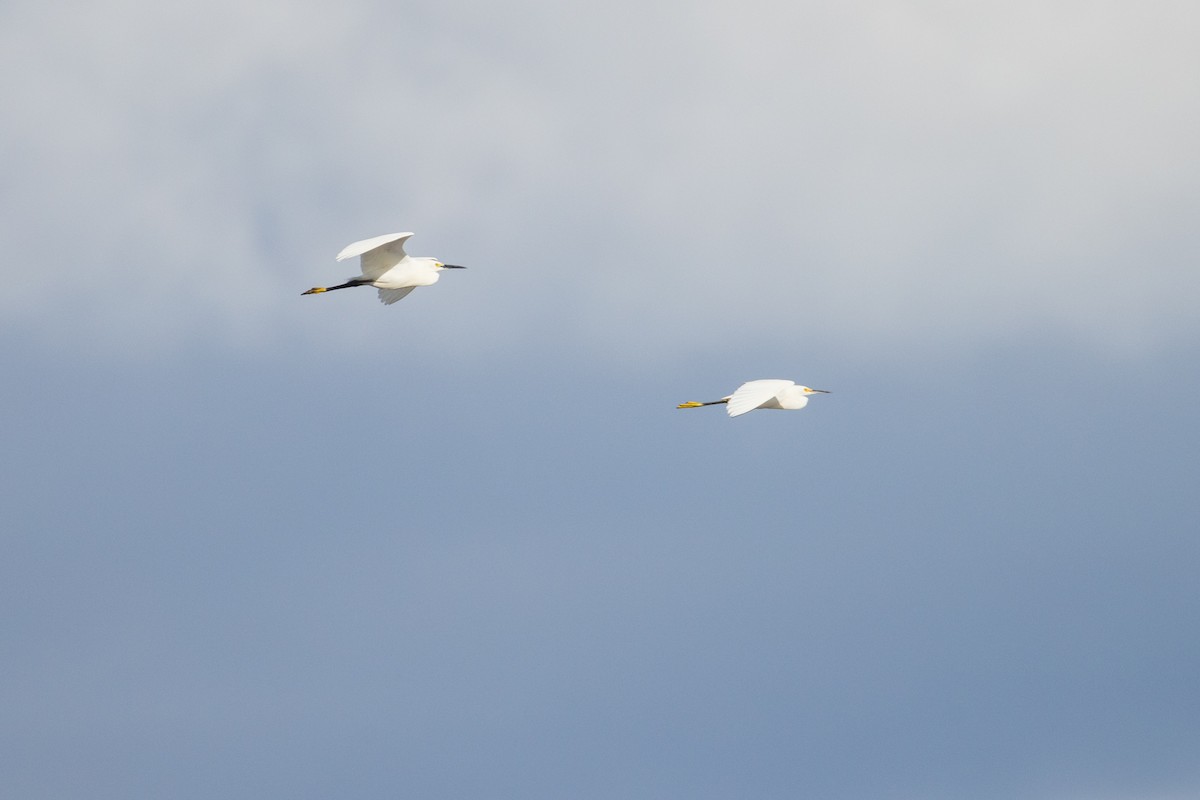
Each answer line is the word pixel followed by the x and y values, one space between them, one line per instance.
pixel 762 394
pixel 388 268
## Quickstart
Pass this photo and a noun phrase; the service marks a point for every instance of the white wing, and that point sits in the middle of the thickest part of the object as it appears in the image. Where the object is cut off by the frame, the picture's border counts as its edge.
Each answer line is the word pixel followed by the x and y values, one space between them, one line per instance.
pixel 379 254
pixel 389 296
pixel 753 394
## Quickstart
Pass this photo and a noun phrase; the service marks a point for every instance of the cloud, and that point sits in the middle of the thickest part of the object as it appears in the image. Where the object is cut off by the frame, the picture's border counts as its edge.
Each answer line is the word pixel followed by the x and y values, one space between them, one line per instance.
pixel 868 176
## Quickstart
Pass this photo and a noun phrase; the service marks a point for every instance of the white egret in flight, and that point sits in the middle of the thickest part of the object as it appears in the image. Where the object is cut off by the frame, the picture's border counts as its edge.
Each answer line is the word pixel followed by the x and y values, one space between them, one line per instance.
pixel 781 394
pixel 388 268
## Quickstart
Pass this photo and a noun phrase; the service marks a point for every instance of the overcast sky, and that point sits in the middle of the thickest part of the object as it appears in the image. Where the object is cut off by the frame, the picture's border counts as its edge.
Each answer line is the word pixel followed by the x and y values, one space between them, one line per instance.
pixel 260 544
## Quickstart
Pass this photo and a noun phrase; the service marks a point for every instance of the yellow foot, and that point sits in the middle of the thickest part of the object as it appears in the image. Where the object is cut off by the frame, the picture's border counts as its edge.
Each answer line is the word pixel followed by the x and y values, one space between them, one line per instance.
pixel 314 290
pixel 689 404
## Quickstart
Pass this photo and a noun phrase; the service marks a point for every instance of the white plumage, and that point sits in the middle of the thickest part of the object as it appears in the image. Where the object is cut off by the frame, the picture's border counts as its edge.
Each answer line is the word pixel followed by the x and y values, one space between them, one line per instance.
pixel 386 266
pixel 768 393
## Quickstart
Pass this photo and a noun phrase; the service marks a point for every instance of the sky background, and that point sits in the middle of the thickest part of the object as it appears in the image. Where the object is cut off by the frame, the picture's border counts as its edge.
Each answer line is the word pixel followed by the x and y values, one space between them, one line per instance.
pixel 264 545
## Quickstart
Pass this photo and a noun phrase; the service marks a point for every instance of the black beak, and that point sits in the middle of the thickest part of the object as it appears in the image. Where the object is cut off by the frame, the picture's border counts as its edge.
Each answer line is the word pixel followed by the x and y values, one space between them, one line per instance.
pixel 452 266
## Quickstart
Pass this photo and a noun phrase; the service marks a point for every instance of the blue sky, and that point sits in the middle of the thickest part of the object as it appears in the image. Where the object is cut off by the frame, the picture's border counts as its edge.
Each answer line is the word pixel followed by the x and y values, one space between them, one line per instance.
pixel 265 544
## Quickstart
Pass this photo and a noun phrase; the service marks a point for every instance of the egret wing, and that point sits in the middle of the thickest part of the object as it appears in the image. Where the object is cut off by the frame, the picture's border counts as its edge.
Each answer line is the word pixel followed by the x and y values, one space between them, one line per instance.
pixel 753 394
pixel 378 254
pixel 389 296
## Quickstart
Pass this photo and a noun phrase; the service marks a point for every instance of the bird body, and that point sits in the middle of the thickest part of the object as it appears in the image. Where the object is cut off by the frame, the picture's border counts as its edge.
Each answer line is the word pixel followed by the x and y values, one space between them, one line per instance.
pixel 771 393
pixel 388 268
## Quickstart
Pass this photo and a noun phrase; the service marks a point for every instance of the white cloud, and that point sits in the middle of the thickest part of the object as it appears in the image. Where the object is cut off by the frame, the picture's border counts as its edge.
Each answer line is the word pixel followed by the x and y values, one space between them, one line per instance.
pixel 870 174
